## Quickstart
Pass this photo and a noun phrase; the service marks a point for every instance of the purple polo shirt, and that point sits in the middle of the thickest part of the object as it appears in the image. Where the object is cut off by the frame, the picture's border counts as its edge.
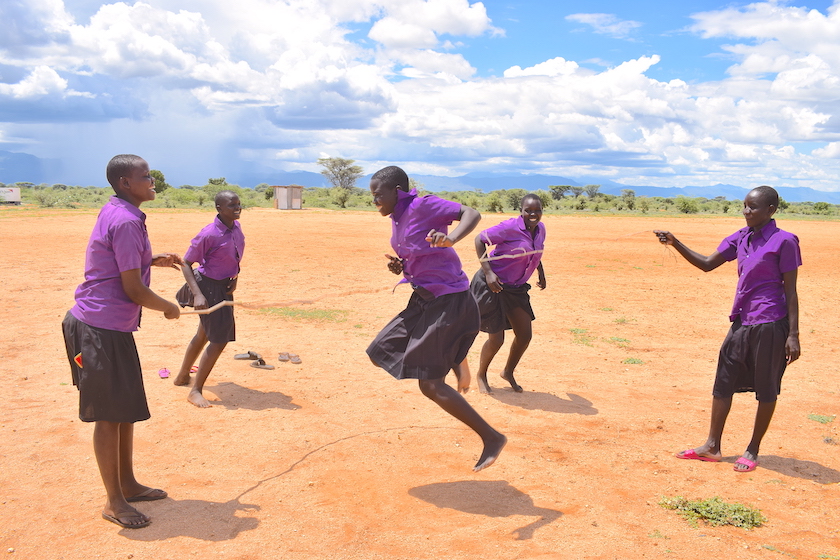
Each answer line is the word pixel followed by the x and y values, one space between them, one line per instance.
pixel 763 258
pixel 119 242
pixel 511 237
pixel 437 269
pixel 217 249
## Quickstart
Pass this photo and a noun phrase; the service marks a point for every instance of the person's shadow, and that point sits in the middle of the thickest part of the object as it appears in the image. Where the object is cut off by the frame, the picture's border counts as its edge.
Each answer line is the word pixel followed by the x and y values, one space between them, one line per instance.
pixel 234 397
pixel 532 400
pixel 493 498
pixel 807 470
pixel 199 519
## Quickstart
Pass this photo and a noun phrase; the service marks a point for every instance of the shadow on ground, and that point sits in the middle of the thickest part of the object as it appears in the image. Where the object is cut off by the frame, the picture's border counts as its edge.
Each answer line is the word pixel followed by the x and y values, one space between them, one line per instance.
pixel 493 498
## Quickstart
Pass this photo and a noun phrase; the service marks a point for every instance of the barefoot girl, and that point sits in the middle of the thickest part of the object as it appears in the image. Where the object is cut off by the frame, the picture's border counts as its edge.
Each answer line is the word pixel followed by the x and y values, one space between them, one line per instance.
pixel 500 286
pixel 218 249
pixel 435 331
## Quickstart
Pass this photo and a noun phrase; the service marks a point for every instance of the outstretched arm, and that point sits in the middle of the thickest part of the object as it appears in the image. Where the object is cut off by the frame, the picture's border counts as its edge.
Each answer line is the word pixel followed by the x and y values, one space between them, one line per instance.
pixel 792 343
pixel 467 220
pixel 140 294
pixel 703 262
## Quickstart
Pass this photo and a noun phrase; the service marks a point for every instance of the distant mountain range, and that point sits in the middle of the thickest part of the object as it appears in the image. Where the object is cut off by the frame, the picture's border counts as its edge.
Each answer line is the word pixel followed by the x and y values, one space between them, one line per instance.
pixel 487 182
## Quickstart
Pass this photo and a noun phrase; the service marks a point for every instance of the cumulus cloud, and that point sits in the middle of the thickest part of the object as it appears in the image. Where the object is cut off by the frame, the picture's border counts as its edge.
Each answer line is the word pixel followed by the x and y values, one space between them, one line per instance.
pixel 383 80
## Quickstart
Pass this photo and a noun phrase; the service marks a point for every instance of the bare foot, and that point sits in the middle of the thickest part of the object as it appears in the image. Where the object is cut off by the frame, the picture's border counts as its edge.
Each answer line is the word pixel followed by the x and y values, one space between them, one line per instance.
pixel 513 384
pixel 198 399
pixel 182 381
pixel 483 386
pixel 463 378
pixel 491 452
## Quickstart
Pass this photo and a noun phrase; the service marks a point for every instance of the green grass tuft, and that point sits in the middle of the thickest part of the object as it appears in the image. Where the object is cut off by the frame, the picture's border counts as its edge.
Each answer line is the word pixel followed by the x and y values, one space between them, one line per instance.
pixel 821 418
pixel 715 512
pixel 635 361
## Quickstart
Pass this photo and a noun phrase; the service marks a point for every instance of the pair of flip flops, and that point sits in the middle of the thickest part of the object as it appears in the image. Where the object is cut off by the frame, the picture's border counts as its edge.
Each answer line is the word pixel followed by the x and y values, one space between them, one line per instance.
pixel 747 464
pixel 289 357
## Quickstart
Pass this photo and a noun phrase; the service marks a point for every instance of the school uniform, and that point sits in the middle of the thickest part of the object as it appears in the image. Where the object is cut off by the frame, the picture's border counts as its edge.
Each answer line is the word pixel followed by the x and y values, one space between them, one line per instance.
pixel 440 323
pixel 752 357
pixel 98 329
pixel 217 249
pixel 510 237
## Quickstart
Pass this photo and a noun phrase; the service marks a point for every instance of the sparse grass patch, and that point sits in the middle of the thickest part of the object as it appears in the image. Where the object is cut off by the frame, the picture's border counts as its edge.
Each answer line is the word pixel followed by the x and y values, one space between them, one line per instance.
pixel 620 342
pixel 634 361
pixel 317 315
pixel 715 512
pixel 657 535
pixel 821 418
pixel 623 320
pixel 606 309
pixel 580 337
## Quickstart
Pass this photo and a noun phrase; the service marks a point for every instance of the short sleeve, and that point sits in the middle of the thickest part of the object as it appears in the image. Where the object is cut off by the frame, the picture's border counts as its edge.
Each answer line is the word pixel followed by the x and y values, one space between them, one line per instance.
pixel 790 258
pixel 728 248
pixel 198 249
pixel 128 241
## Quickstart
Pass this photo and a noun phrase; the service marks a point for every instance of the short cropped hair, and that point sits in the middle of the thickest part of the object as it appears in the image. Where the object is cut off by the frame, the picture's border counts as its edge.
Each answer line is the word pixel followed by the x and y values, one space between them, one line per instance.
pixel 223 195
pixel 768 195
pixel 392 176
pixel 120 166
pixel 530 196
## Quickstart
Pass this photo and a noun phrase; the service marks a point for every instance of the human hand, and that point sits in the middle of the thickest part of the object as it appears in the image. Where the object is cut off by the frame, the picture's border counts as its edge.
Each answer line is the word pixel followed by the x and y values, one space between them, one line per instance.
pixel 792 348
pixel 200 302
pixel 172 311
pixel 167 260
pixel 395 265
pixel 665 237
pixel 541 283
pixel 493 282
pixel 438 239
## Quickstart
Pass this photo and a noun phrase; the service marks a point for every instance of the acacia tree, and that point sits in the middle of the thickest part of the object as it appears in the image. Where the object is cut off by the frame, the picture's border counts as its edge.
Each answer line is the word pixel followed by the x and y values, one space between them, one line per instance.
pixel 558 192
pixel 592 191
pixel 577 191
pixel 342 175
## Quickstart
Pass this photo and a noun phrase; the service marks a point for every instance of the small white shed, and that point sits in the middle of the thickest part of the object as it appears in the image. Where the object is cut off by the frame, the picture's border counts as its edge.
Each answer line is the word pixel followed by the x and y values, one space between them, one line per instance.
pixel 288 197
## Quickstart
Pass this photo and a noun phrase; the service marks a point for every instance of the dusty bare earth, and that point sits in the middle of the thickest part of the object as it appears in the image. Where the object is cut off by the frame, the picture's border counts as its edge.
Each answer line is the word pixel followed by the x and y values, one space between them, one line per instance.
pixel 334 459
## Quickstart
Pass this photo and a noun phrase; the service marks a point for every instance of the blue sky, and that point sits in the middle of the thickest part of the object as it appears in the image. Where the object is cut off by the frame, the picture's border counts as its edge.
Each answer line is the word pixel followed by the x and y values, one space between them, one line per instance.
pixel 644 93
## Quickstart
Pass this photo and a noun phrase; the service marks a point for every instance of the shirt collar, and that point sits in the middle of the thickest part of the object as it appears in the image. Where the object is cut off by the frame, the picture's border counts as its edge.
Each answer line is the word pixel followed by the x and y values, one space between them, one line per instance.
pixel 403 200
pixel 220 225
pixel 122 203
pixel 768 229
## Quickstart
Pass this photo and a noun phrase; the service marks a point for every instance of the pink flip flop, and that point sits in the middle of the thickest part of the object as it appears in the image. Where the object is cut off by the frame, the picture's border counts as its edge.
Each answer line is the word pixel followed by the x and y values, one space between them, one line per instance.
pixel 746 462
pixel 193 369
pixel 163 372
pixel 691 454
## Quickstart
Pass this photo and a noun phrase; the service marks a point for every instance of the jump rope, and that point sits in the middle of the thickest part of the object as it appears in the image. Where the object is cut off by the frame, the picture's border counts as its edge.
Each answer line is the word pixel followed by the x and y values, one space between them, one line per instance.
pixel 486 257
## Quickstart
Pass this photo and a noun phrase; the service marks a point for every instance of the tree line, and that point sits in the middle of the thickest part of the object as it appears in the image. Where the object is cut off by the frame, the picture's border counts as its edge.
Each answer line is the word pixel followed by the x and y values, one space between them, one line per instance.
pixel 342 175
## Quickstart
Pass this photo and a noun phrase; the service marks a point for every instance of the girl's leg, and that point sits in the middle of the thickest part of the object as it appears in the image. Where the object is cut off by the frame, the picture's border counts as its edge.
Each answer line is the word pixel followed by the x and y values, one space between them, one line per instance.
pixel 720 411
pixel 128 483
pixel 762 421
pixel 208 360
pixel 488 352
pixel 462 373
pixel 108 448
pixel 452 402
pixel 191 355
pixel 520 322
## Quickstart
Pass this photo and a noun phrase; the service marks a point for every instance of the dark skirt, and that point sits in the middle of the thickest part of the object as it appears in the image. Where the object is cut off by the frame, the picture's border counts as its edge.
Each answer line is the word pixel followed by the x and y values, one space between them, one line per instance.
pixel 494 307
pixel 106 369
pixel 429 337
pixel 752 358
pixel 219 326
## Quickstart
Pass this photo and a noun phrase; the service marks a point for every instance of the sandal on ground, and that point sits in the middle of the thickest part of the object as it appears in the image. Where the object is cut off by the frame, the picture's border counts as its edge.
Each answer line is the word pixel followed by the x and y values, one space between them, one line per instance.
pixel 283 356
pixel 249 355
pixel 261 364
pixel 118 520
pixel 163 373
pixel 294 358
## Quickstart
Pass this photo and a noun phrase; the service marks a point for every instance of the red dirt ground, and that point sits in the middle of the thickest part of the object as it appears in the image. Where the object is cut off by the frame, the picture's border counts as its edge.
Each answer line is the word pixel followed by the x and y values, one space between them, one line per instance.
pixel 334 459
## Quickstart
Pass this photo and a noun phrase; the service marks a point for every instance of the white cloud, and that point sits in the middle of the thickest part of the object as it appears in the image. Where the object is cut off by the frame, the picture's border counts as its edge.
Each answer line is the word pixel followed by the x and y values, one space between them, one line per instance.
pixel 606 24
